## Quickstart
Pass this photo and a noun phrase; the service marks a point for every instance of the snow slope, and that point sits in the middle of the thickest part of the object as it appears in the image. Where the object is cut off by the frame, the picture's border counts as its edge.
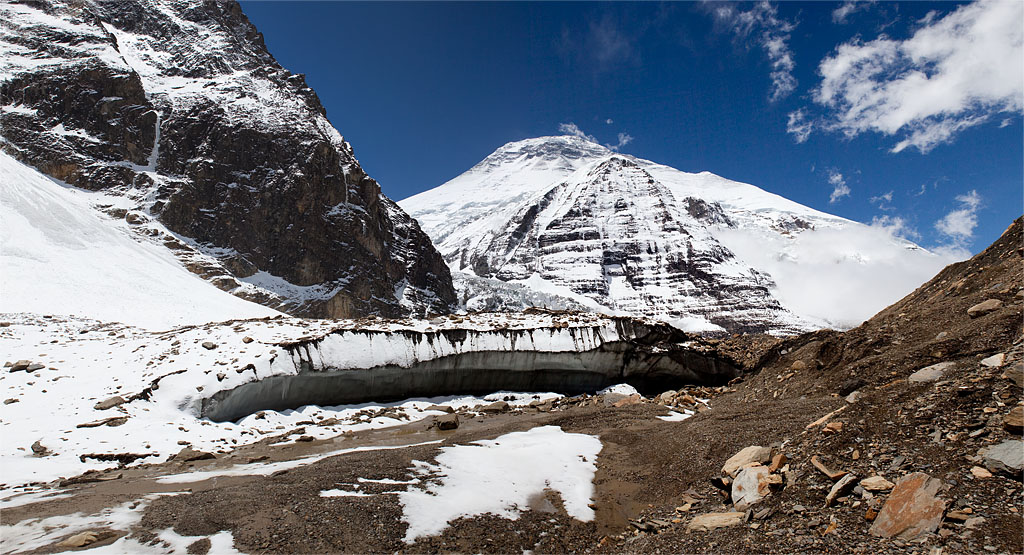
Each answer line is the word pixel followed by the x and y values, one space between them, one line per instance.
pixel 498 220
pixel 58 255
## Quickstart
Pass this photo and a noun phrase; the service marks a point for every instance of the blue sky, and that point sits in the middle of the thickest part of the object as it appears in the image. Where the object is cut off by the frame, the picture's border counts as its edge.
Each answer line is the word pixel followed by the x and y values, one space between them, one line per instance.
pixel 906 115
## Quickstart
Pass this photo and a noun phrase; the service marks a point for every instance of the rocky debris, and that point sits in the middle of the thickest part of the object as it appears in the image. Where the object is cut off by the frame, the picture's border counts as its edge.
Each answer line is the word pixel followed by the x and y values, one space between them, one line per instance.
pixel 876 483
pixel 188 455
pixel 110 403
pixel 984 307
pixel 912 508
pixel 93 476
pixel 931 373
pixel 209 345
pixel 752 454
pixel 11 400
pixel 113 421
pixel 713 521
pixel 979 472
pixel 832 474
pixel 80 539
pixel 304 439
pixel 120 458
pixel 20 365
pixel 844 484
pixel 1014 420
pixel 1005 458
pixel 39 450
pixel 446 422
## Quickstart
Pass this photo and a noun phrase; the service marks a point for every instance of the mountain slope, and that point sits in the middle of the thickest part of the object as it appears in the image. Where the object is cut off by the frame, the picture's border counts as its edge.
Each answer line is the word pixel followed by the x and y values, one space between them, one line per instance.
pixel 624 234
pixel 61 257
pixel 179 107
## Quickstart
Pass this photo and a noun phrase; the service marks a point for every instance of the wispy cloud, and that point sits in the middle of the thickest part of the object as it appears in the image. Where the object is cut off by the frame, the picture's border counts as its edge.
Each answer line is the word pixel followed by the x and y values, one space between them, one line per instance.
pixel 958 225
pixel 573 129
pixel 609 121
pixel 839 187
pixel 799 126
pixel 953 73
pixel 884 202
pixel 848 8
pixel 763 24
pixel 603 44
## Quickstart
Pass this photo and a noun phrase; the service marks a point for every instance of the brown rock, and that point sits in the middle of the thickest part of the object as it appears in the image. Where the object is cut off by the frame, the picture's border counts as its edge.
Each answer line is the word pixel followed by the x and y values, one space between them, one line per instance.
pixel 109 403
pixel 798 366
pixel 876 483
pixel 840 488
pixel 188 455
pixel 1014 420
pixel 500 406
pixel 985 307
pixel 447 422
pixel 912 509
pixel 441 408
pixel 79 540
pixel 832 474
pixel 1015 373
pixel 778 461
pixel 633 399
pixel 247 339
pixel 832 428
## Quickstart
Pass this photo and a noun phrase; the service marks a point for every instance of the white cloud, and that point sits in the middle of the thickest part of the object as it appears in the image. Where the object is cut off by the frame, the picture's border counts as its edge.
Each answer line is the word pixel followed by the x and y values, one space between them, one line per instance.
pixel 573 129
pixel 895 226
pixel 624 139
pixel 799 126
pixel 958 225
pixel 609 121
pixel 955 72
pixel 849 7
pixel 1005 123
pixel 772 33
pixel 839 188
pixel 883 201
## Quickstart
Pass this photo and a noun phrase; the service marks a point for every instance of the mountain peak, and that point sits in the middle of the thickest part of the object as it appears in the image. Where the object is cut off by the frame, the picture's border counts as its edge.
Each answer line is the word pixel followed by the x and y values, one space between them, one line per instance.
pixel 560 150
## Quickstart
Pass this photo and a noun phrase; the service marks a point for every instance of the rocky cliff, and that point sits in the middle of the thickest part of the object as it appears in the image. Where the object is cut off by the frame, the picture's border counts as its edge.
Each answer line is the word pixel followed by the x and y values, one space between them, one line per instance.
pixel 204 142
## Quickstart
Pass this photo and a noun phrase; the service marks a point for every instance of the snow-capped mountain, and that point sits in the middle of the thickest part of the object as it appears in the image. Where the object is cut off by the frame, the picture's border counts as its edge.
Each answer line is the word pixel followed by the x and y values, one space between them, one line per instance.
pixel 566 216
pixel 177 108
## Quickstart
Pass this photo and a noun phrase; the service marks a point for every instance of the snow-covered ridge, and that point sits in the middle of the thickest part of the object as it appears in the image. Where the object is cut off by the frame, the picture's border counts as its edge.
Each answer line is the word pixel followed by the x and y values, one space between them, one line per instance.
pixel 499 220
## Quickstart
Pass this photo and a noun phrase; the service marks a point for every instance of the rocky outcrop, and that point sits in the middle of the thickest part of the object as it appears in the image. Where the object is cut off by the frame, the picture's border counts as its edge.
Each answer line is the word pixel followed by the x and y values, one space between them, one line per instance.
pixel 179 108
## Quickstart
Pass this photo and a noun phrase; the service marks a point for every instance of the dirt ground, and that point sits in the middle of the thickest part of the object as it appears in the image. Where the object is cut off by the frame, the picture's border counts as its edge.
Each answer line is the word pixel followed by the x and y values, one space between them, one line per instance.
pixel 650 470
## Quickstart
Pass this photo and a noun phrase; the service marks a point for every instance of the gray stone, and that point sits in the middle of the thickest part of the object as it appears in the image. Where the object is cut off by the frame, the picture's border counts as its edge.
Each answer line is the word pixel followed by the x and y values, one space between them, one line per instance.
pixel 1005 458
pixel 209 345
pixel 1015 373
pixel 20 365
pixel 39 449
pixel 984 307
pixel 930 373
pixel 749 487
pixel 500 406
pixel 188 454
pixel 994 361
pixel 876 483
pixel 839 488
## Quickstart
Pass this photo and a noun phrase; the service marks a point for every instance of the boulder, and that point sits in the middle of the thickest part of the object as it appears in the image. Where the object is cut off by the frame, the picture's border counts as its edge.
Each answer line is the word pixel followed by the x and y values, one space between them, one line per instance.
pixel 1005 458
pixel 81 539
pixel 39 450
pixel 912 509
pixel 209 345
pixel 500 406
pixel 930 373
pixel 750 486
pixel 667 397
pixel 713 521
pixel 984 307
pixel 20 365
pixel 876 483
pixel 441 408
pixel 109 403
pixel 447 422
pixel 633 399
pixel 1015 373
pixel 188 454
pixel 752 454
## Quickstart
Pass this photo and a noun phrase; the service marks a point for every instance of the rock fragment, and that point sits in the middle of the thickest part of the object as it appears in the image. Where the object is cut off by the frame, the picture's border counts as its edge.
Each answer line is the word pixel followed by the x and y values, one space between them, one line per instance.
pixel 447 422
pixel 750 486
pixel 839 488
pixel 496 407
pixel 930 373
pixel 109 403
pixel 39 450
pixel 1014 420
pixel 994 361
pixel 81 539
pixel 1005 458
pixel 984 307
pixel 876 483
pixel 188 455
pixel 752 454
pixel 912 508
pixel 713 521
pixel 209 345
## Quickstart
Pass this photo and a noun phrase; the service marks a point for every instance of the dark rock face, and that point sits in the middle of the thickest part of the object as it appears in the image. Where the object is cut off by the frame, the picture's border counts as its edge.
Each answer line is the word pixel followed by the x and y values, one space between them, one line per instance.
pixel 179 107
